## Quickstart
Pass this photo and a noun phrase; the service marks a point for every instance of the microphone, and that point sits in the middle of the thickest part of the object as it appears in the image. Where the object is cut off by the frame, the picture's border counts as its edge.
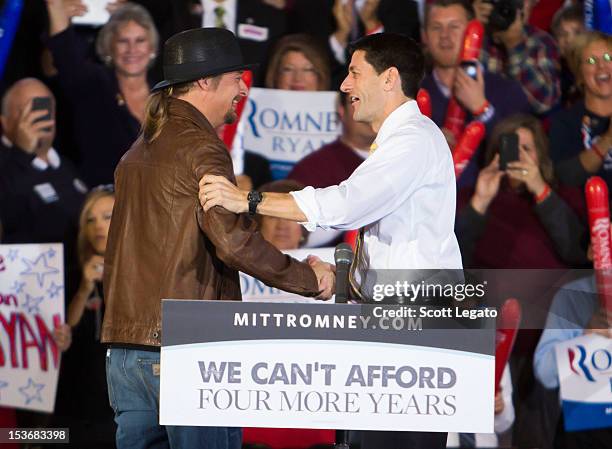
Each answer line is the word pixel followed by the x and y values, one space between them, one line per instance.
pixel 343 257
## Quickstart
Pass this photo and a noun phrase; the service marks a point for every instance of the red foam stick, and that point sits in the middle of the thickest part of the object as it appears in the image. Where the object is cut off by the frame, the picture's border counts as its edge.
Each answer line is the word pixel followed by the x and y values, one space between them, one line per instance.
pixel 507 328
pixel 229 131
pixel 350 237
pixel 472 43
pixel 424 101
pixel 467 146
pixel 596 191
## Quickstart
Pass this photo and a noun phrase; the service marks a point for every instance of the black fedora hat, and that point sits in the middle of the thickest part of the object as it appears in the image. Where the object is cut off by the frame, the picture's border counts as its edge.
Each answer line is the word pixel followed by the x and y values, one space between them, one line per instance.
pixel 198 53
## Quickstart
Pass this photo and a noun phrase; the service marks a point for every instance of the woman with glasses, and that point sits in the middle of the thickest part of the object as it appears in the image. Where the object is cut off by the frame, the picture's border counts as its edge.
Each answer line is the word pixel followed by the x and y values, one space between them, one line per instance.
pixel 581 137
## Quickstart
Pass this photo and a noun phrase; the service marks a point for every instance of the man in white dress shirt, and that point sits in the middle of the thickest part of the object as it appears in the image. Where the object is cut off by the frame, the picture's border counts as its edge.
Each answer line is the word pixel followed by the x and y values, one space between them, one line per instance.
pixel 402 195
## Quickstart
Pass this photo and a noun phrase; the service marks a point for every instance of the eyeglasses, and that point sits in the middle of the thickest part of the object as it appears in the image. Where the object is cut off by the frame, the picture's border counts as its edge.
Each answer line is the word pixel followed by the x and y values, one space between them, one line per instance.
pixel 110 188
pixel 592 60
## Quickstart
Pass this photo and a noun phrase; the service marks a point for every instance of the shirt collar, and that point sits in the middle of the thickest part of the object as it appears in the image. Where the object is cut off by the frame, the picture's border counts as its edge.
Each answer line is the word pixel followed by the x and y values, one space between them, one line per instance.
pixel 441 87
pixel 52 158
pixel 38 163
pixel 396 119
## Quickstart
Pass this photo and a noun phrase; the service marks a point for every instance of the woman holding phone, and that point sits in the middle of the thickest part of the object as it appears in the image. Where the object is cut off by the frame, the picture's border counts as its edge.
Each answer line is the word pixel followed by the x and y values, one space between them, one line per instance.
pixel 516 216
pixel 83 381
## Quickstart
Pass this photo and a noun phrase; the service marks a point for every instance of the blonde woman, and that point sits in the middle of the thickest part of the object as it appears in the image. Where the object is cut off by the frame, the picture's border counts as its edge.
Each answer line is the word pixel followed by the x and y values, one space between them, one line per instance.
pixel 106 101
pixel 581 136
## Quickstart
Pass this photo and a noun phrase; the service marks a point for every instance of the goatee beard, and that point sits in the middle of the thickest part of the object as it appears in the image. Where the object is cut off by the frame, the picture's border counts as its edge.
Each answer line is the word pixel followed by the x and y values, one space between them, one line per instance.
pixel 230 117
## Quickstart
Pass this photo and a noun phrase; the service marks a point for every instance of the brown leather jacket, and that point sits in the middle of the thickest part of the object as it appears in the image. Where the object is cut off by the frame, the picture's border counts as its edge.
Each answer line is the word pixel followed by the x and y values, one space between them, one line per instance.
pixel 162 244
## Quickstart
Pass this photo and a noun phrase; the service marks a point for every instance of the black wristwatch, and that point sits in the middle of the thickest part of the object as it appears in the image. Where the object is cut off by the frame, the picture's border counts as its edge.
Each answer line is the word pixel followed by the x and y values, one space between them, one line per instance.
pixel 254 197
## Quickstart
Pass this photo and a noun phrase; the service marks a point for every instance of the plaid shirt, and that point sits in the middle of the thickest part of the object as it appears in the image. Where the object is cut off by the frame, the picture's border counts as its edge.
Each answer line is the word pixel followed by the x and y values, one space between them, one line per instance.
pixel 534 64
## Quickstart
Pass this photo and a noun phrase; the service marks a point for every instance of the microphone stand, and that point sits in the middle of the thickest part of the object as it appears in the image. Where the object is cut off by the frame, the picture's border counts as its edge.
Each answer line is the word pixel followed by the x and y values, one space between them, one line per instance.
pixel 343 255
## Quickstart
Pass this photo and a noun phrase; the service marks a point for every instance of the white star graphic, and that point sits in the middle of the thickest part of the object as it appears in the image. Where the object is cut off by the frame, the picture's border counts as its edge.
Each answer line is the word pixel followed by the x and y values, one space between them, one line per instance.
pixel 12 254
pixel 54 290
pixel 18 287
pixel 40 271
pixel 31 303
pixel 31 391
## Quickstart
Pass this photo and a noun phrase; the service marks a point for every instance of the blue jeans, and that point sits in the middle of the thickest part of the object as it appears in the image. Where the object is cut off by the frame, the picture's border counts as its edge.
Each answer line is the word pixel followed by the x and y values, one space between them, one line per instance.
pixel 133 391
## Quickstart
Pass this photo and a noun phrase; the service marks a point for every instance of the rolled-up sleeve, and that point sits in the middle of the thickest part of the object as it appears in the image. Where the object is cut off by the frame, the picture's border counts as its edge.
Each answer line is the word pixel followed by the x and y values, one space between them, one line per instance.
pixel 376 187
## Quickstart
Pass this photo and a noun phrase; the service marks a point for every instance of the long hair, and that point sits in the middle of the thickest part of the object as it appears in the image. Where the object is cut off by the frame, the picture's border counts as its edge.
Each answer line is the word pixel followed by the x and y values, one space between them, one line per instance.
pixel 310 48
pixel 156 109
pixel 84 247
pixel 531 123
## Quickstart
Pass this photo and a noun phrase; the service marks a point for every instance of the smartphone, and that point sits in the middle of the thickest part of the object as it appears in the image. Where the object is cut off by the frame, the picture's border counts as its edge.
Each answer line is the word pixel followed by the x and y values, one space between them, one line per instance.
pixel 470 68
pixel 42 104
pixel 508 149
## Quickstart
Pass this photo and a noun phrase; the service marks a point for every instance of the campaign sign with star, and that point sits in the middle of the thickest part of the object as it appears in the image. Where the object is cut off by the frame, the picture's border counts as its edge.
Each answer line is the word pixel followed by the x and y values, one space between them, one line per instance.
pixel 31 301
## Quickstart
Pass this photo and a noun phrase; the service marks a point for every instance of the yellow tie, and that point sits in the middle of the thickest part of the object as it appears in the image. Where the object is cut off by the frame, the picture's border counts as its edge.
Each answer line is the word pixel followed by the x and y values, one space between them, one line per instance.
pixel 357 260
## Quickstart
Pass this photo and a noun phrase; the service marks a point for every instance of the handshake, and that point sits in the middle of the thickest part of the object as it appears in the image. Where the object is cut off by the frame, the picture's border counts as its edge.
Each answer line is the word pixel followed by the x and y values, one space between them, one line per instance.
pixel 326 277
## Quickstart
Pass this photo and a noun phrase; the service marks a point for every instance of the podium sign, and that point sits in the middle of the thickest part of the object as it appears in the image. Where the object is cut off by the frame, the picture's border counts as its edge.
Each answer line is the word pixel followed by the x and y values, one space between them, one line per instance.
pixel 329 366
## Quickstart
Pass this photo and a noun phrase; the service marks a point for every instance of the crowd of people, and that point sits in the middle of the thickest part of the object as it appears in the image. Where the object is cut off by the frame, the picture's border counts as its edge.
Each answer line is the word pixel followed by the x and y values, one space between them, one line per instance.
pixel 548 81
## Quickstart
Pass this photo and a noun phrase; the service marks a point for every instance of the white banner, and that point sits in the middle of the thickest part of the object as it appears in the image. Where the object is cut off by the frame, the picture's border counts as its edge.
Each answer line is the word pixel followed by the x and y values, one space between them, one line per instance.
pixel 254 290
pixel 284 126
pixel 585 375
pixel 327 385
pixel 328 366
pixel 31 301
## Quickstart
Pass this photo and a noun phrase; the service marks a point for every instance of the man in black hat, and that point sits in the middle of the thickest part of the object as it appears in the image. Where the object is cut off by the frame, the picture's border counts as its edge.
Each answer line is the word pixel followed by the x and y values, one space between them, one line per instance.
pixel 162 244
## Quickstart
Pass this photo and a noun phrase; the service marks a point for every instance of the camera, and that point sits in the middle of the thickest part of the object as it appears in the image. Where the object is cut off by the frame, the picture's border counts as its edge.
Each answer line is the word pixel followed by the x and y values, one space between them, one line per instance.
pixel 503 14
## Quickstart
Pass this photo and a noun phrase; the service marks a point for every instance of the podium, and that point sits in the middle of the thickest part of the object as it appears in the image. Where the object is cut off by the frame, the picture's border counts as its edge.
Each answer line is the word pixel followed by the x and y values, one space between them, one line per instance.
pixel 328 366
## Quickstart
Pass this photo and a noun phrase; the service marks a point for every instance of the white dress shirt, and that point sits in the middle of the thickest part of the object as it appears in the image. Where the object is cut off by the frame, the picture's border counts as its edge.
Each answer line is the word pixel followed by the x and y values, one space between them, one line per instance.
pixel 403 194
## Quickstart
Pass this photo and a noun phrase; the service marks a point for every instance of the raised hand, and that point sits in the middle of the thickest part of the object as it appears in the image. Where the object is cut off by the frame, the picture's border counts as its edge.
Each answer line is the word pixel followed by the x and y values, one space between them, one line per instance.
pixel 219 191
pixel 368 15
pixel 29 134
pixel 526 170
pixel 468 91
pixel 344 20
pixel 487 186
